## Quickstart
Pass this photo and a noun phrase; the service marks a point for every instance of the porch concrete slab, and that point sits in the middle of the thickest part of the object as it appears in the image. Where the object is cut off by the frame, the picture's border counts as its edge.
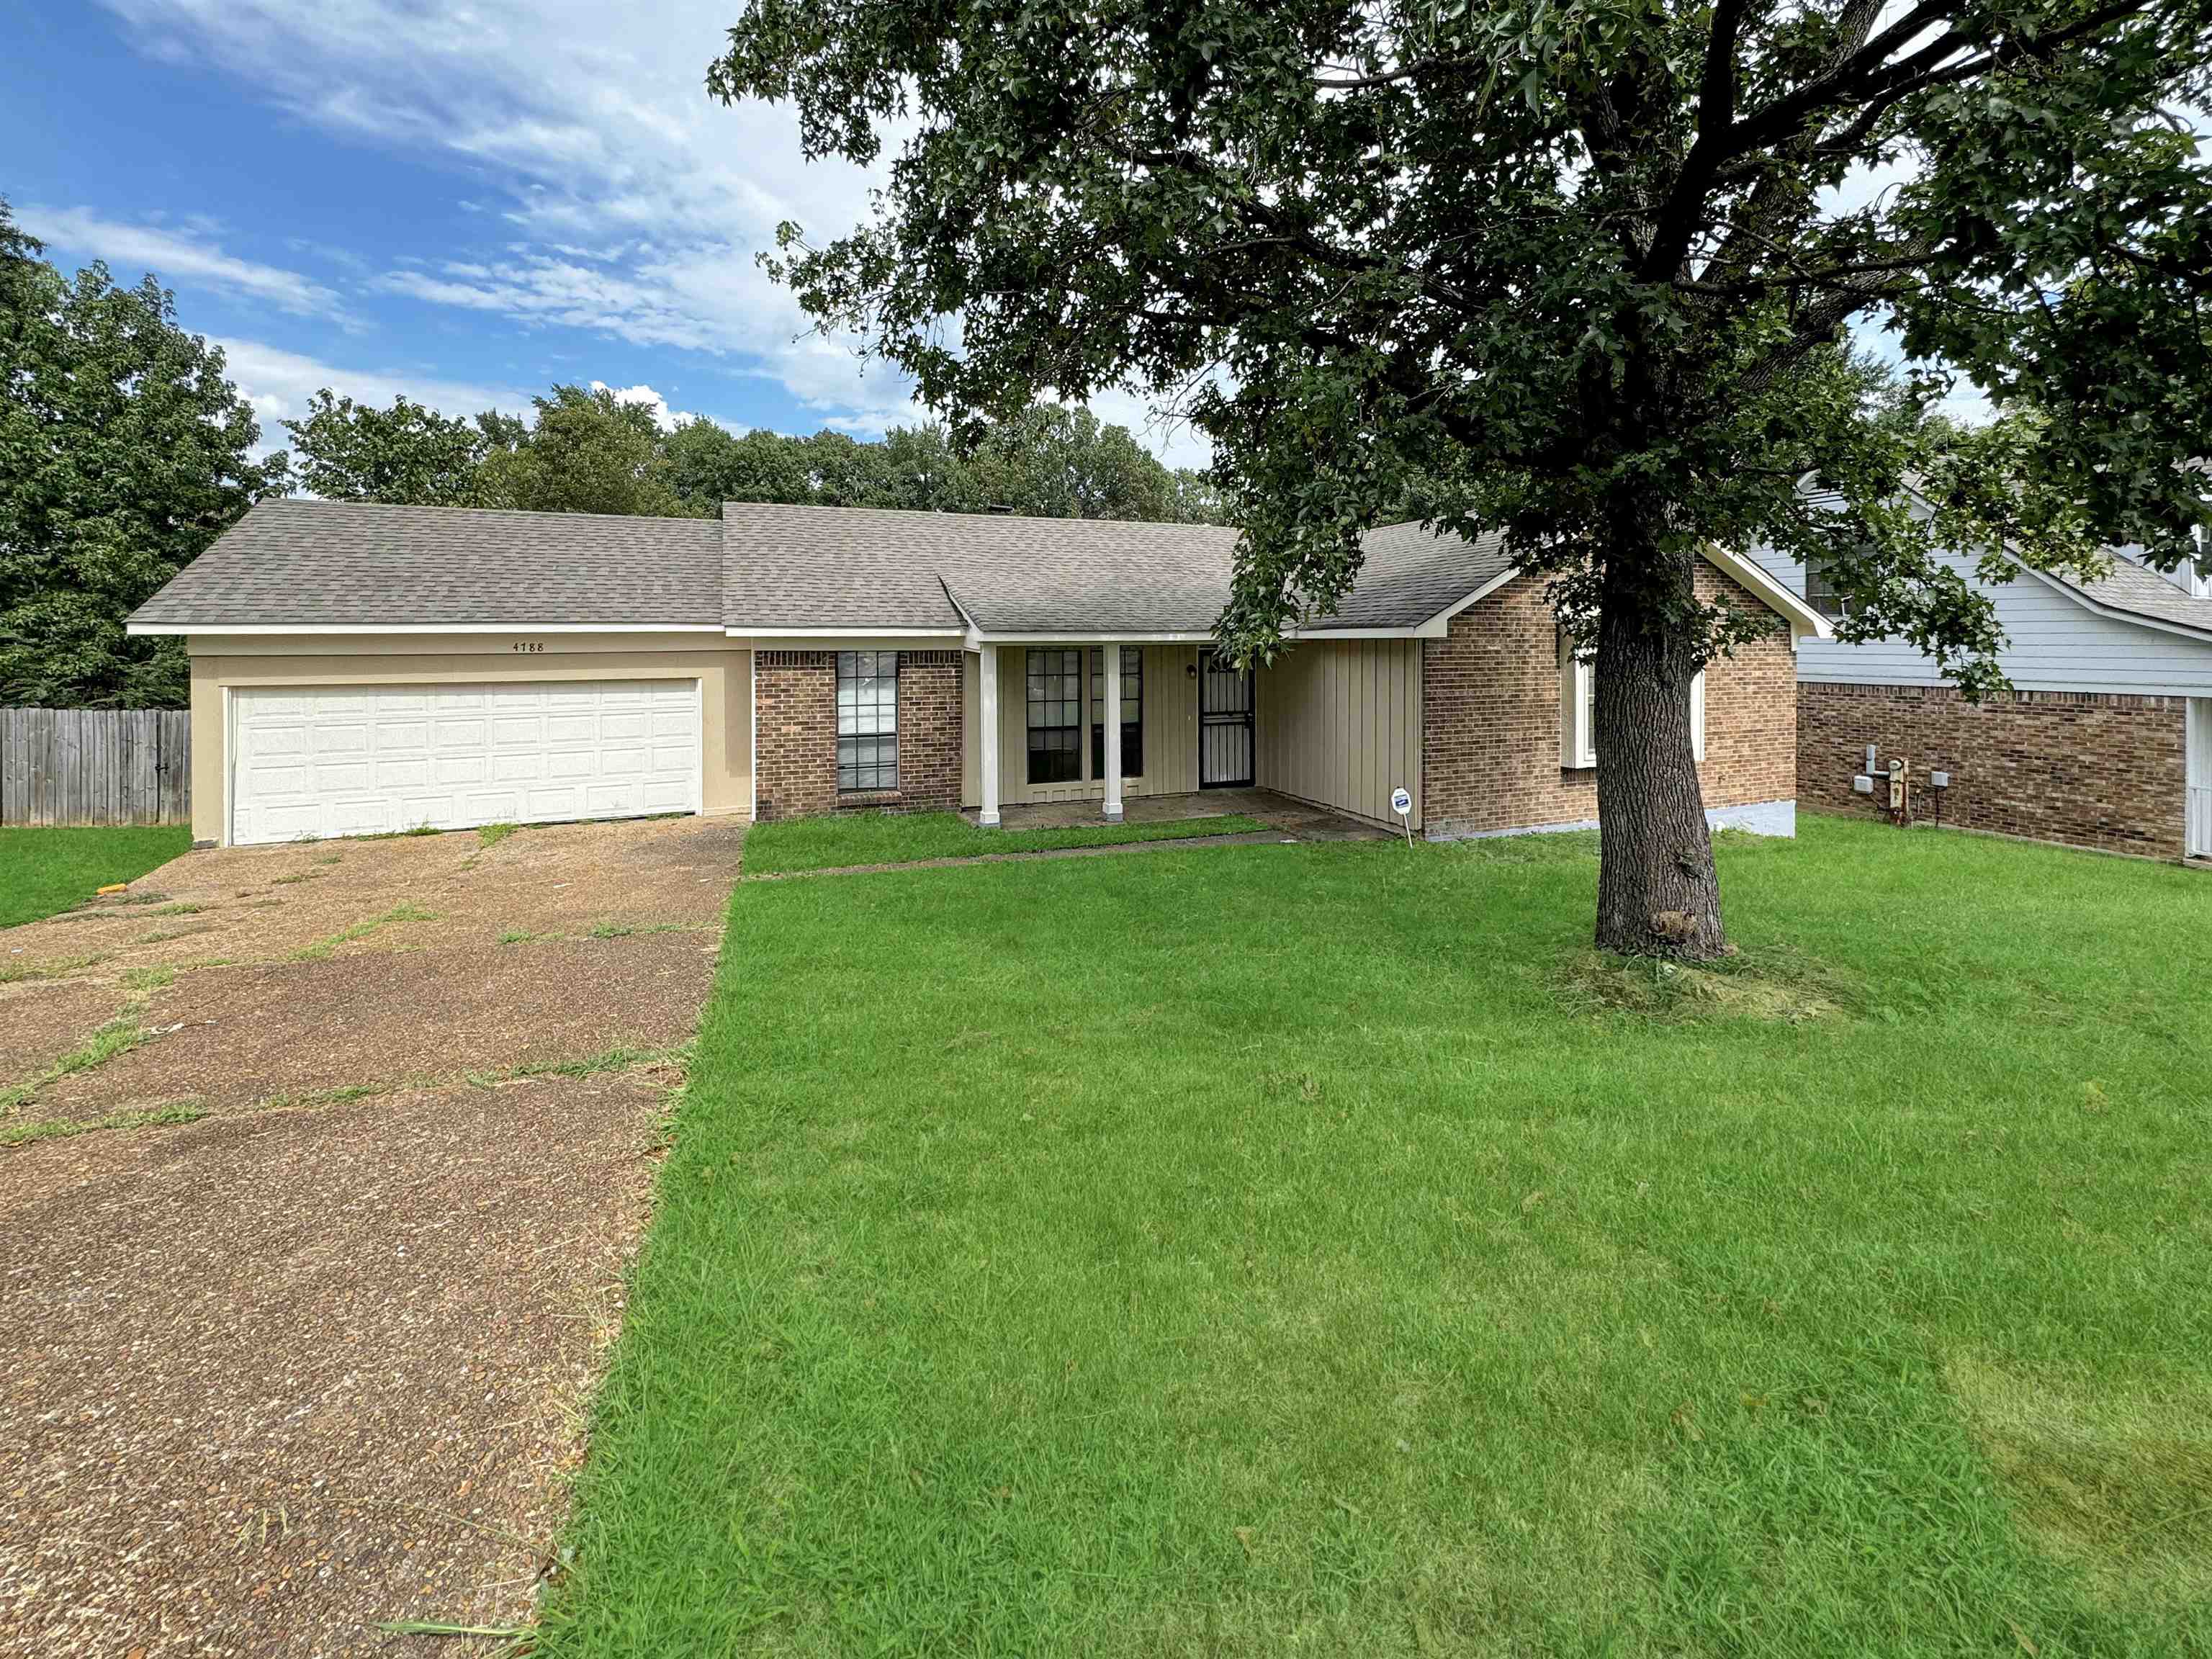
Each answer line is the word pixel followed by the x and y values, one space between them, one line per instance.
pixel 1298 819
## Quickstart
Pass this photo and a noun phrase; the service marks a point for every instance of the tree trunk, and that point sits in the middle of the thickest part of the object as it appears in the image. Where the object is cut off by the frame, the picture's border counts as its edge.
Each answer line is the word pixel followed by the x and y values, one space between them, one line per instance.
pixel 1657 893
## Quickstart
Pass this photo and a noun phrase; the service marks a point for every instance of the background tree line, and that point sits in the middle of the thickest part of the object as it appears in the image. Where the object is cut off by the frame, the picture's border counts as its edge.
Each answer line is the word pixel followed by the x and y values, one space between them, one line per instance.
pixel 124 451
pixel 588 451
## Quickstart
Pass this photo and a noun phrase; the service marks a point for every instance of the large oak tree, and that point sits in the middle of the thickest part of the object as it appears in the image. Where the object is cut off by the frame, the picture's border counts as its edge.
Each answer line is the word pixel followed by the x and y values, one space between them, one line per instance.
pixel 1582 273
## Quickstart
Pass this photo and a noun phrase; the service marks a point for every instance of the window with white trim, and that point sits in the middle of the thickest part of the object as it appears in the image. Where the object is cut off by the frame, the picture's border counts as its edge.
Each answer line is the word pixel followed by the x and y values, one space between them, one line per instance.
pixel 867 721
pixel 1055 716
pixel 1578 710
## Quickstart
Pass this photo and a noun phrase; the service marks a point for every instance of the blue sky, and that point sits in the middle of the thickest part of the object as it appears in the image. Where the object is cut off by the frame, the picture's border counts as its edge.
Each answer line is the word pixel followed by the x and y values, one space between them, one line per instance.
pixel 464 203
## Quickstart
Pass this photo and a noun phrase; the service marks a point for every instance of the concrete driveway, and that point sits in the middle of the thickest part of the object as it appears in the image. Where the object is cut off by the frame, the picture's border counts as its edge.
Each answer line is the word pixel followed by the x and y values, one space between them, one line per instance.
pixel 299 1340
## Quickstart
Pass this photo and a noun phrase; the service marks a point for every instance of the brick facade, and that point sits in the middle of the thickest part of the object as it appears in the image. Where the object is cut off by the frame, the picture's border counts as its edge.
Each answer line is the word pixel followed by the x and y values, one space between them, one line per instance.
pixel 929 702
pixel 795 734
pixel 1490 707
pixel 2099 769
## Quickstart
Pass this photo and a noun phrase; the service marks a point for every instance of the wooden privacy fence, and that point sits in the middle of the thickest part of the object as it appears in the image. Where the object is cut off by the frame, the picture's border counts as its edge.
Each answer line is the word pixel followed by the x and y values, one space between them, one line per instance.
pixel 95 766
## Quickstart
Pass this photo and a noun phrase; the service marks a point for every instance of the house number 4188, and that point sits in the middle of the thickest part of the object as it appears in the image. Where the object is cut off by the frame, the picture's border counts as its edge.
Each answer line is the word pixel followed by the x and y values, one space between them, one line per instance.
pixel 527 645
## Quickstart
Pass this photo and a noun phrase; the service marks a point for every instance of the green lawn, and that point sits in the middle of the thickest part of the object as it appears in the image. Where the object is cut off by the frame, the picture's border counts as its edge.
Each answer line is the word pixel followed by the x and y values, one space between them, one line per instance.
pixel 852 838
pixel 1318 1250
pixel 43 871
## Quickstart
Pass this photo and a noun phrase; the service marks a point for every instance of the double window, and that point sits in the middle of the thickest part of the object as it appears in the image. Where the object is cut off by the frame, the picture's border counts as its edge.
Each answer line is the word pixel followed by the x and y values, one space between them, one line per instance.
pixel 1578 709
pixel 867 720
pixel 1133 712
pixel 1055 716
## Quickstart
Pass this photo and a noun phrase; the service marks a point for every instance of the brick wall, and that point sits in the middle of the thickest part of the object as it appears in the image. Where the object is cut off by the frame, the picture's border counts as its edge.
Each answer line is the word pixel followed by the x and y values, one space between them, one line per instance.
pixel 795 715
pixel 929 700
pixel 1490 696
pixel 2098 770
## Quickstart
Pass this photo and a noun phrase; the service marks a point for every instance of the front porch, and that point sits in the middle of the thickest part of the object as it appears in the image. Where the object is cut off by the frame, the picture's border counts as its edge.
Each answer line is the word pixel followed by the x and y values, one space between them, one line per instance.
pixel 1296 819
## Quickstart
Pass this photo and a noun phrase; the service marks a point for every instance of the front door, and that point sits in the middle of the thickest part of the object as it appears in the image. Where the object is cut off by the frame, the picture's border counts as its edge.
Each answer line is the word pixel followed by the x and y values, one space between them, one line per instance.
pixel 1224 723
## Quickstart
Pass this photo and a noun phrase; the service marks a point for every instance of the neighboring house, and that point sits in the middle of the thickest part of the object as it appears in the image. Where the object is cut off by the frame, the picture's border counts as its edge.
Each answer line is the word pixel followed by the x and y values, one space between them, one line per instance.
pixel 2105 740
pixel 361 668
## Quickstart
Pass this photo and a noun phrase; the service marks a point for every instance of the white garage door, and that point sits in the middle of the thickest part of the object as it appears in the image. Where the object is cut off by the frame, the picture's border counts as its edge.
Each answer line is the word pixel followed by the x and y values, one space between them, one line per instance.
pixel 357 760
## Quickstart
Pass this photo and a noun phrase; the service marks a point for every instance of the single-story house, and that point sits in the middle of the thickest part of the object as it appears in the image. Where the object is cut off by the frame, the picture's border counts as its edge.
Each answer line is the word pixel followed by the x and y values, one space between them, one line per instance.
pixel 2105 740
pixel 359 668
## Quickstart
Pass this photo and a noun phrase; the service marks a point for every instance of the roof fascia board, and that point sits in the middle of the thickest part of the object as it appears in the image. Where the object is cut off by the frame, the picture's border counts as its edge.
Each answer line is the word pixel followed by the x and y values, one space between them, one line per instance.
pixel 162 630
pixel 881 631
pixel 1433 628
pixel 1126 636
pixel 1441 623
pixel 1803 619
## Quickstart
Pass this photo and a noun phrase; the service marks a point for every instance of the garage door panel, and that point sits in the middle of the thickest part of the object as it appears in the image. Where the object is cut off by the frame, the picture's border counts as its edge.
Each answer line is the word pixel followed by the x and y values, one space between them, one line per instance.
pixel 492 805
pixel 347 736
pixel 507 767
pixel 389 701
pixel 367 760
pixel 461 768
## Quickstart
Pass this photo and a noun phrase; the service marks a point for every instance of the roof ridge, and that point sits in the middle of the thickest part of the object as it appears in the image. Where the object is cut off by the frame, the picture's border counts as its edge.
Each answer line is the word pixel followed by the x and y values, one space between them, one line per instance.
pixel 986 516
pixel 714 524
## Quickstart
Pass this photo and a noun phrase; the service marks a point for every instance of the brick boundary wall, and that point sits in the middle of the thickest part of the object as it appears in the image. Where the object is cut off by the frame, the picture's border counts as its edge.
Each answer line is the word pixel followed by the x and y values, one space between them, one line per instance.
pixel 2107 770
pixel 1490 718
pixel 795 735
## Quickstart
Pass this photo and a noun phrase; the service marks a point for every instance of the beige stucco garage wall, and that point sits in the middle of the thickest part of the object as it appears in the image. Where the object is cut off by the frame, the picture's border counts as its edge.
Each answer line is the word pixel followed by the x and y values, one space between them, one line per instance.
pixel 1171 702
pixel 220 661
pixel 1340 723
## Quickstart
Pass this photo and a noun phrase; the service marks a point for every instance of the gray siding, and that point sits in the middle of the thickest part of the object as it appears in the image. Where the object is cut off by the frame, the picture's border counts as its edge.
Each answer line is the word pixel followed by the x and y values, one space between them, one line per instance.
pixel 2053 643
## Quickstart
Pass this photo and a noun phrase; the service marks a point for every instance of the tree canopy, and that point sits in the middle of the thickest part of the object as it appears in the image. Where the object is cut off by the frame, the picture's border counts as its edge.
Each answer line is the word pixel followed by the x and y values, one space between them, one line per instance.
pixel 586 451
pixel 124 453
pixel 1582 274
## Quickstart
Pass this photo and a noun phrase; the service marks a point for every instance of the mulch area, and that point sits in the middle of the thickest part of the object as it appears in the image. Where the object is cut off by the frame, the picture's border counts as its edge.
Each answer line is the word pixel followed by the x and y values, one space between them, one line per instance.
pixel 320 1359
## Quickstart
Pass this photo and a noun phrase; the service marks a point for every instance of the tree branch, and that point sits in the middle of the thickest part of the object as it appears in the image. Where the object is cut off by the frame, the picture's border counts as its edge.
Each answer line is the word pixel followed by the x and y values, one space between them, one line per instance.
pixel 1413 70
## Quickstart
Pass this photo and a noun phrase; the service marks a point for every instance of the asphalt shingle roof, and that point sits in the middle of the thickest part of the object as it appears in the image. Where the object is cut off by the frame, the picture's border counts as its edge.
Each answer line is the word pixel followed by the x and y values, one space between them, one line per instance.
pixel 1412 574
pixel 2141 592
pixel 762 569
pixel 358 563
pixel 831 566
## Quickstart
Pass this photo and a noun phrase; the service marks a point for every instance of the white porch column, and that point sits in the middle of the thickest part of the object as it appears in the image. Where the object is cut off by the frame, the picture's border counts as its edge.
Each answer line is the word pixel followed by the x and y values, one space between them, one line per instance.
pixel 1111 715
pixel 987 754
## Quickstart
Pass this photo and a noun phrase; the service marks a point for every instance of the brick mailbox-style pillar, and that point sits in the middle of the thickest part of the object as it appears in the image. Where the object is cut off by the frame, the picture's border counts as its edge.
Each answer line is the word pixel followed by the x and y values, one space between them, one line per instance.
pixel 795 735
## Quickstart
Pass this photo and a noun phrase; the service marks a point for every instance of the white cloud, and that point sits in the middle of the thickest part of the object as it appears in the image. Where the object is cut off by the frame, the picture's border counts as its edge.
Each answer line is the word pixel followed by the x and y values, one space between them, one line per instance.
pixel 173 256
pixel 625 201
pixel 279 383
pixel 664 417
